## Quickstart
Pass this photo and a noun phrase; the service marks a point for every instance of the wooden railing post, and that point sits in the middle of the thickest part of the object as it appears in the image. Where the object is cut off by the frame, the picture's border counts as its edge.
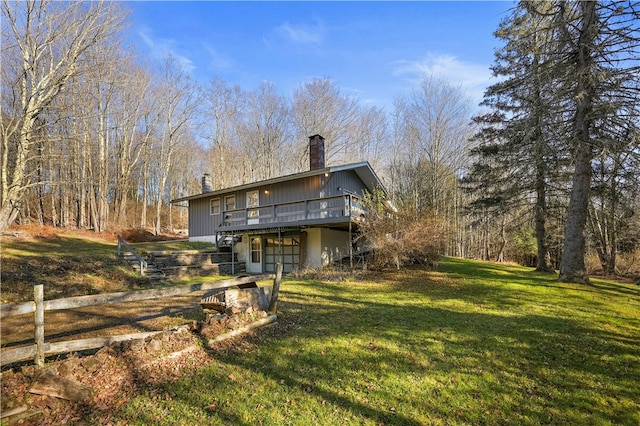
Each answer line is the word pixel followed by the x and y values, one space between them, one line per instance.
pixel 273 303
pixel 38 297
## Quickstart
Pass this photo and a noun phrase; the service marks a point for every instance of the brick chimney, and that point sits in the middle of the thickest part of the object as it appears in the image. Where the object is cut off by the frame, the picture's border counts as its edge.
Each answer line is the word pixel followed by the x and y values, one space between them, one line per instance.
pixel 207 186
pixel 316 152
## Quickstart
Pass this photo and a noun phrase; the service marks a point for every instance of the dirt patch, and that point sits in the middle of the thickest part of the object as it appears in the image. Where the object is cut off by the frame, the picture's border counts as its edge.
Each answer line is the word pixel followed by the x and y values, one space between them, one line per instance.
pixel 117 373
pixel 144 236
pixel 111 319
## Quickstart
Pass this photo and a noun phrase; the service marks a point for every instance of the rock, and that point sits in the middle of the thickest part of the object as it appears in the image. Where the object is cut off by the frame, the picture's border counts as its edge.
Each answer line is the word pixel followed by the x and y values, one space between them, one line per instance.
pixel 232 310
pixel 92 364
pixel 136 345
pixel 154 345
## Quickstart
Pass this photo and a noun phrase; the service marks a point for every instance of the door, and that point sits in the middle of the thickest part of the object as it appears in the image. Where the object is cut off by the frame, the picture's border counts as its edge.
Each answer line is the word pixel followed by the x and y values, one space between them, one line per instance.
pixel 253 202
pixel 285 250
pixel 255 257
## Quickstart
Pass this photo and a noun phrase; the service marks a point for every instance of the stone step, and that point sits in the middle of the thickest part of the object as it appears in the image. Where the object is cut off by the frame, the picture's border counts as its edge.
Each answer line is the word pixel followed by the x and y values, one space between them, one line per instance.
pixel 184 263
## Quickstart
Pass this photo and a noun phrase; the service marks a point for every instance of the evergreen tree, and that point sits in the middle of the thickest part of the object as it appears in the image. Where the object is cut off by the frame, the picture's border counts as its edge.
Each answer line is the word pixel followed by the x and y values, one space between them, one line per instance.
pixel 599 44
pixel 516 137
pixel 569 90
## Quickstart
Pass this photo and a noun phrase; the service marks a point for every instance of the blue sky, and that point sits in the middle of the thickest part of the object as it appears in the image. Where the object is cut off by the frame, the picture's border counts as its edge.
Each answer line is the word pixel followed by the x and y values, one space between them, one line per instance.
pixel 373 50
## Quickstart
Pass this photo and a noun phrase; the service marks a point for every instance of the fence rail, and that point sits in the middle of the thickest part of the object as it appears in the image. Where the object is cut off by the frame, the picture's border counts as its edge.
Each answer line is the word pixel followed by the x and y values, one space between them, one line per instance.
pixel 40 349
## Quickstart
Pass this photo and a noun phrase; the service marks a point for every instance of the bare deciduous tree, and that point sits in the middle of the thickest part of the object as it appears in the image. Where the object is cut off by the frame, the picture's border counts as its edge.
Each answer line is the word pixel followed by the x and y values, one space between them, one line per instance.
pixel 43 45
pixel 319 108
pixel 264 133
pixel 177 102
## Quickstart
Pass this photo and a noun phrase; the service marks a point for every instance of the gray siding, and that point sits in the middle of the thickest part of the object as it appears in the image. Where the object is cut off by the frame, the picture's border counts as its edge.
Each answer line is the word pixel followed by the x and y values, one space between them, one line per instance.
pixel 202 223
pixel 348 180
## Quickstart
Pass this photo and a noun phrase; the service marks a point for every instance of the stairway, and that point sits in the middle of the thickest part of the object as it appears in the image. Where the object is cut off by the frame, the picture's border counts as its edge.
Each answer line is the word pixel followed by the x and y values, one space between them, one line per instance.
pixel 190 263
pixel 151 271
pixel 183 263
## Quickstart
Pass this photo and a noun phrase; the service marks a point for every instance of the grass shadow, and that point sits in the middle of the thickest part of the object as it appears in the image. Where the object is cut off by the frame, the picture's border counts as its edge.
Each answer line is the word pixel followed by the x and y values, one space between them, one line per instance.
pixel 408 355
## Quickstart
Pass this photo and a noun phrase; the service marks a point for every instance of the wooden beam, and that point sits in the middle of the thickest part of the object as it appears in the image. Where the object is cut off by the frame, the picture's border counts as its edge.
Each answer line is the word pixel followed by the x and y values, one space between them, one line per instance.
pixel 49 383
pixel 21 353
pixel 24 353
pixel 95 343
pixel 242 330
pixel 10 310
pixel 273 303
pixel 38 296
pixel 127 296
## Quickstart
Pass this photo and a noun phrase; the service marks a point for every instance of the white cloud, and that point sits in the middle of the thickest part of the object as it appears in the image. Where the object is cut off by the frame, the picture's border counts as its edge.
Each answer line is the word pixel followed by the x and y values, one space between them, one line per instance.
pixel 301 34
pixel 160 48
pixel 472 78
pixel 216 59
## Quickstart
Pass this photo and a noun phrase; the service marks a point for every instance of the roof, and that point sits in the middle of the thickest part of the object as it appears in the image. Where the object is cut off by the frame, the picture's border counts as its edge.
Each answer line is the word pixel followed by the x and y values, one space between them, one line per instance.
pixel 363 170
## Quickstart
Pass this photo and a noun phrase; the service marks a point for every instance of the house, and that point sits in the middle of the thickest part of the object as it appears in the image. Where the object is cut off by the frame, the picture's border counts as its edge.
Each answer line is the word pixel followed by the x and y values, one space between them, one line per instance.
pixel 303 220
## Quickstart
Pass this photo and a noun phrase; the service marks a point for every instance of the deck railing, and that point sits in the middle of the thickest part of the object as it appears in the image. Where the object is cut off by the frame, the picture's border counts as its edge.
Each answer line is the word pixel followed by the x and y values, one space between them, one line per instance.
pixel 346 206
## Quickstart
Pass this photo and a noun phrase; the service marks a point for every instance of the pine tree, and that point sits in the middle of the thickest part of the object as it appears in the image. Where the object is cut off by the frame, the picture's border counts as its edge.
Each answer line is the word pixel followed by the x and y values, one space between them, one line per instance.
pixel 600 44
pixel 569 89
pixel 516 136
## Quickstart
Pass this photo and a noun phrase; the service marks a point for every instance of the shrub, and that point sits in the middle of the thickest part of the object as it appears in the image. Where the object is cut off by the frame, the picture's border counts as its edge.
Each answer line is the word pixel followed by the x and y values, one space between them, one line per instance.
pixel 399 238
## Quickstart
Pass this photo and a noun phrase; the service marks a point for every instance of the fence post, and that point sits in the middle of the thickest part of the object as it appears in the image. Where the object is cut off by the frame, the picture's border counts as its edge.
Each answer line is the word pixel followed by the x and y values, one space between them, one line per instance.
pixel 38 297
pixel 273 303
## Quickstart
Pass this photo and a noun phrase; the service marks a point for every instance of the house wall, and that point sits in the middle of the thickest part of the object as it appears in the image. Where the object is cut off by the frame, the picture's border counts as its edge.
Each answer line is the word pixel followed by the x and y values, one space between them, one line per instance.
pixel 335 245
pixel 202 224
pixel 314 248
pixel 325 246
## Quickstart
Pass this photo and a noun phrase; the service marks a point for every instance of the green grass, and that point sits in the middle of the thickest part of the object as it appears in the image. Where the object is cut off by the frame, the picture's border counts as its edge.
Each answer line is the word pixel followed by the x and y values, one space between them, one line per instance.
pixel 66 266
pixel 171 246
pixel 69 265
pixel 472 343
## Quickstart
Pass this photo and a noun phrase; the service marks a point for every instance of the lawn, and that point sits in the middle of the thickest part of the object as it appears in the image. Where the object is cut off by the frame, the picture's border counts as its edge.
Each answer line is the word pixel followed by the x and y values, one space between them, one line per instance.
pixel 72 264
pixel 470 343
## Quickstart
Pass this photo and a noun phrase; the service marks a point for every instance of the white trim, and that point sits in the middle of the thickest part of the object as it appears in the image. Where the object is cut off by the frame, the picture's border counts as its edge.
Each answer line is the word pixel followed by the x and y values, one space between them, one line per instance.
pixel 255 267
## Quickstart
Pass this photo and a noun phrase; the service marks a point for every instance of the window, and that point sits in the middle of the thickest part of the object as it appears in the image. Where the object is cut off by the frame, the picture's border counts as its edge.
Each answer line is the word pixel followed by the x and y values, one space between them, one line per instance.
pixel 214 206
pixel 253 201
pixel 229 203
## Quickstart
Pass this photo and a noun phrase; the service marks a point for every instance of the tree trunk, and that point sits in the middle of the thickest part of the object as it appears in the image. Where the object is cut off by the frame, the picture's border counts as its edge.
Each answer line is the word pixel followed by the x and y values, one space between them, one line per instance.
pixel 544 259
pixel 572 267
pixel 503 238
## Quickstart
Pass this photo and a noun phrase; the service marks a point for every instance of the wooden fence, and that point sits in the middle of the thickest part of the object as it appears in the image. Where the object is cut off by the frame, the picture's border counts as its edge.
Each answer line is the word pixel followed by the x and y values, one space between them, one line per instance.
pixel 40 348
